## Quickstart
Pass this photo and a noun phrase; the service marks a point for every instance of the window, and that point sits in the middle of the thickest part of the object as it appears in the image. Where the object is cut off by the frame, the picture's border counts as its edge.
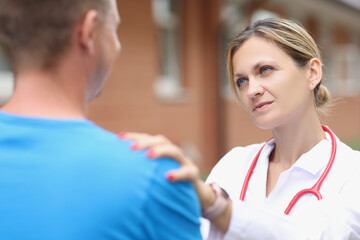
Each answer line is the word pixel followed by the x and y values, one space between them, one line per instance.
pixel 233 21
pixel 168 85
pixel 345 70
pixel 6 79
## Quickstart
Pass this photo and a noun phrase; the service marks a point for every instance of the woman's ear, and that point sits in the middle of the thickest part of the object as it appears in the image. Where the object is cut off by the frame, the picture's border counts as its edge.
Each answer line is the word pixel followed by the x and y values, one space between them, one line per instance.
pixel 87 31
pixel 314 72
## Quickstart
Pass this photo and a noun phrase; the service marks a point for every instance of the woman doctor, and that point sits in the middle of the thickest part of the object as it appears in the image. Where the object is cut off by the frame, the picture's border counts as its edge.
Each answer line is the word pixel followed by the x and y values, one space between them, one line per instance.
pixel 275 69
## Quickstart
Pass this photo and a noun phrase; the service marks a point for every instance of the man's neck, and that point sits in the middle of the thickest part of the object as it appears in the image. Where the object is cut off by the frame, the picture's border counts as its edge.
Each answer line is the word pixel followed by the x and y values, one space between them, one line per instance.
pixel 50 94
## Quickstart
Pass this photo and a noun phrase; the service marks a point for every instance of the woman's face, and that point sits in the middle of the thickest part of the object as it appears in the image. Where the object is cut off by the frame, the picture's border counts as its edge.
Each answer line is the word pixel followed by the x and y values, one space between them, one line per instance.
pixel 272 88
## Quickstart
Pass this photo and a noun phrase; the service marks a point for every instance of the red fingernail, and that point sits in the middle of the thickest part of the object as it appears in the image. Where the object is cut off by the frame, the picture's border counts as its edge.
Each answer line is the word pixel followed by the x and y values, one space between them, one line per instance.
pixel 134 146
pixel 150 153
pixel 121 135
pixel 170 177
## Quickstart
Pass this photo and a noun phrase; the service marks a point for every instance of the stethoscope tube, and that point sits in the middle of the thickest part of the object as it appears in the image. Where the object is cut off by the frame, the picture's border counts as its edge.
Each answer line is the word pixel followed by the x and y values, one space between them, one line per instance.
pixel 315 190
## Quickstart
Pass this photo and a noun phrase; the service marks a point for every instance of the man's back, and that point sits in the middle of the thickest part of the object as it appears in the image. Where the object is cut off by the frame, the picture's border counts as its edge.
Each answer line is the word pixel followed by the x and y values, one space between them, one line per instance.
pixel 69 179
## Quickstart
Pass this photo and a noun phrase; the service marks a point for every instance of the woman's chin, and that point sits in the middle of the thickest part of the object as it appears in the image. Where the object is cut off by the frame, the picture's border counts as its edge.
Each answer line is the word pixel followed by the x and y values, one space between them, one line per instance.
pixel 264 124
pixel 263 127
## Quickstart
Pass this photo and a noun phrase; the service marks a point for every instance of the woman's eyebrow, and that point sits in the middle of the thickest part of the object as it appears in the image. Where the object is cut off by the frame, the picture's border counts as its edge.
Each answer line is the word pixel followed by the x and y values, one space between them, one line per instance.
pixel 238 75
pixel 261 63
pixel 256 66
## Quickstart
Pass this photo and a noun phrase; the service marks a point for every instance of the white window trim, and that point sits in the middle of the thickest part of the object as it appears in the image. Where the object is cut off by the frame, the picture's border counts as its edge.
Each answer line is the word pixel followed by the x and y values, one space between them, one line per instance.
pixel 168 86
pixel 6 86
pixel 6 79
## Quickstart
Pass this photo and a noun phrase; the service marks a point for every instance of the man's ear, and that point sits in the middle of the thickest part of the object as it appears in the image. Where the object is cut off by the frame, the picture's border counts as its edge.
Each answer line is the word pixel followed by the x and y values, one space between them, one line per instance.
pixel 87 31
pixel 314 72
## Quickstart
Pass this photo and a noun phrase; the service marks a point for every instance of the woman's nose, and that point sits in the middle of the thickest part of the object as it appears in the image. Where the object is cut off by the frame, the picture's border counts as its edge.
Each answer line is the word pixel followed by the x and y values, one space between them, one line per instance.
pixel 254 88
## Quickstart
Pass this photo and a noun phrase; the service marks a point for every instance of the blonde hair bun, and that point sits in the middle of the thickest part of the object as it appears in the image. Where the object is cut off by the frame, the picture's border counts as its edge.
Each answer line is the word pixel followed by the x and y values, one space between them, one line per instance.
pixel 322 96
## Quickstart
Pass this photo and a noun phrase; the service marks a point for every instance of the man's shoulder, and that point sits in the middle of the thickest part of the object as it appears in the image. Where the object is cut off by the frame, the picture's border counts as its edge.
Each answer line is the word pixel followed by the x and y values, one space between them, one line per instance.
pixel 106 149
pixel 157 198
pixel 109 145
pixel 171 200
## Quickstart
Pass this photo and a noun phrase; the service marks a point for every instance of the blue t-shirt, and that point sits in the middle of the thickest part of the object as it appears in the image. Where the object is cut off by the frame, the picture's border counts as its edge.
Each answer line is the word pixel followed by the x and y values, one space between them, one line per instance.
pixel 70 179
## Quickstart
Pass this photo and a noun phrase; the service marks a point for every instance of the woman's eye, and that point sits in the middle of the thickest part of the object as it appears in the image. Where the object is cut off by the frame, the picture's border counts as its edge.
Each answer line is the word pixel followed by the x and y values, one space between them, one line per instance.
pixel 240 82
pixel 265 69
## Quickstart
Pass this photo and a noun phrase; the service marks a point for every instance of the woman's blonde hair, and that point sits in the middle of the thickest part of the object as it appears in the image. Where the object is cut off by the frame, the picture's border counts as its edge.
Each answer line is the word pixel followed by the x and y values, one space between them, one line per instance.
pixel 292 38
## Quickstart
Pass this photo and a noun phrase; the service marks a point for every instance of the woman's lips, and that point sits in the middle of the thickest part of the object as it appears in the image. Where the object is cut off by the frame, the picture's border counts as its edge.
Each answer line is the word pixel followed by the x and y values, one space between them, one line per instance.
pixel 261 106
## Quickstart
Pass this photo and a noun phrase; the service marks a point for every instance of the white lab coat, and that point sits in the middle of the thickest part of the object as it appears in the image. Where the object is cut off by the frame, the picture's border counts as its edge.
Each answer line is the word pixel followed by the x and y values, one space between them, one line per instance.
pixel 336 216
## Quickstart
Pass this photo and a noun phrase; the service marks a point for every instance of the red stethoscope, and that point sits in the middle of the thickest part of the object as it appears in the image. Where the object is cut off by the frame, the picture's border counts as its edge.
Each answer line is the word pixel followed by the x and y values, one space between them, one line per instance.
pixel 313 190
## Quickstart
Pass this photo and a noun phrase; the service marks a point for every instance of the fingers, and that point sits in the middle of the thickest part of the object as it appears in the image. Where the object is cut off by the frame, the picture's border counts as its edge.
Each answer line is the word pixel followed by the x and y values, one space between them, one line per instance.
pixel 159 146
pixel 185 173
pixel 132 135
pixel 168 150
pixel 143 140
pixel 188 171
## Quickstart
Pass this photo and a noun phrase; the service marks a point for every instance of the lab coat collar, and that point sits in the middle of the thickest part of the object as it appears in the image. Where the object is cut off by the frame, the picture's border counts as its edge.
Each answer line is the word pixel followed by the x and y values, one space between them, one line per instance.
pixel 312 161
pixel 263 161
pixel 316 158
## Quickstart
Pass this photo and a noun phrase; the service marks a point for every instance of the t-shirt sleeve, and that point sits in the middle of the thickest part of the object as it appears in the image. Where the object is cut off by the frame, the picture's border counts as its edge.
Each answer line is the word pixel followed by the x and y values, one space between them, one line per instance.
pixel 172 209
